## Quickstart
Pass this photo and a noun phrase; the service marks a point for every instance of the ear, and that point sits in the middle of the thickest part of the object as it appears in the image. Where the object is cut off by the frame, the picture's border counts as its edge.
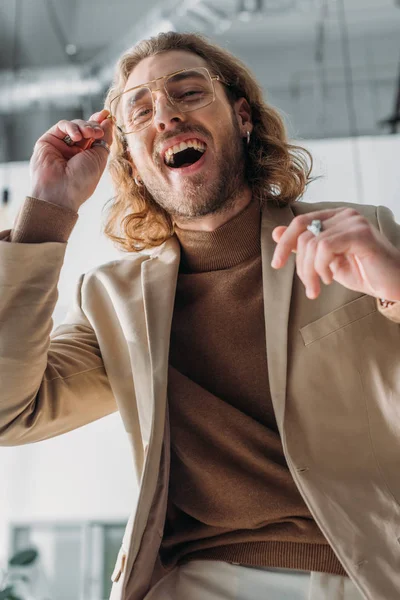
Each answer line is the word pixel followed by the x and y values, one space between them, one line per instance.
pixel 243 114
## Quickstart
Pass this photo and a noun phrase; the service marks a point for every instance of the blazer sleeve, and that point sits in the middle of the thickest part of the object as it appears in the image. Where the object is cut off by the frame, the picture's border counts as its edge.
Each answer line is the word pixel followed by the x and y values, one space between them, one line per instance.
pixel 50 383
pixel 387 225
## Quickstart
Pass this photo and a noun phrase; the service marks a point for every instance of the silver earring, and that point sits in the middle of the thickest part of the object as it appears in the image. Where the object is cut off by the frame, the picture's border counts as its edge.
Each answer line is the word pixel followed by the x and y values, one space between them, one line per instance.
pixel 138 181
pixel 248 137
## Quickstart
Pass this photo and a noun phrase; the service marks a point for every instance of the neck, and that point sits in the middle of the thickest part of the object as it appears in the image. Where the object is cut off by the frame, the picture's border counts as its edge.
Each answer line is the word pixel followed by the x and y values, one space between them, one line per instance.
pixel 215 220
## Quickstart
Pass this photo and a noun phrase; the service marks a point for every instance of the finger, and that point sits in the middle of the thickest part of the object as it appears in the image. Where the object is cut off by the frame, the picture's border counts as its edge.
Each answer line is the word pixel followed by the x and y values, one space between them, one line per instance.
pixel 106 124
pixel 288 240
pixel 88 129
pixel 310 277
pixel 332 227
pixel 278 232
pixel 323 258
pixel 102 146
pixel 301 252
pixel 66 151
pixel 57 143
pixel 78 130
pixel 100 116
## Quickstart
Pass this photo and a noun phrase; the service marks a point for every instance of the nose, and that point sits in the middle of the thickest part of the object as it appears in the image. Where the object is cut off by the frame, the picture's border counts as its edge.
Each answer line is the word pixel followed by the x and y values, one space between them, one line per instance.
pixel 166 114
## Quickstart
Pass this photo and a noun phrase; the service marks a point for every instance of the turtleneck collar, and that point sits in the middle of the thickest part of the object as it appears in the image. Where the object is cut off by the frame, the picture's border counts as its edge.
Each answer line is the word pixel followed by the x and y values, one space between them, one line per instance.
pixel 225 247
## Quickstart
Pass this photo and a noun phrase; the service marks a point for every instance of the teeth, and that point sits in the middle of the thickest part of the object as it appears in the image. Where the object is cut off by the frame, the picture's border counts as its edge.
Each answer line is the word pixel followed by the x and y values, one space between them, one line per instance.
pixel 196 144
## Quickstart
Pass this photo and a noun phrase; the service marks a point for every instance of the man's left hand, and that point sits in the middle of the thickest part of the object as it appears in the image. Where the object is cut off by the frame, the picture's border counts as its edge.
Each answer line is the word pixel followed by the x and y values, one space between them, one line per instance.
pixel 348 250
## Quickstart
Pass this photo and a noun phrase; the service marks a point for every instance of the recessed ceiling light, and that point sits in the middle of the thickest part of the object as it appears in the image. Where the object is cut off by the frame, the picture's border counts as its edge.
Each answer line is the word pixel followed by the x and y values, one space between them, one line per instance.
pixel 71 49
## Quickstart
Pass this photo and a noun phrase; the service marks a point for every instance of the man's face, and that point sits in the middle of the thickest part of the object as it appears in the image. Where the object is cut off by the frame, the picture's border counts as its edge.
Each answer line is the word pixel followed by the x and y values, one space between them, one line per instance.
pixel 212 183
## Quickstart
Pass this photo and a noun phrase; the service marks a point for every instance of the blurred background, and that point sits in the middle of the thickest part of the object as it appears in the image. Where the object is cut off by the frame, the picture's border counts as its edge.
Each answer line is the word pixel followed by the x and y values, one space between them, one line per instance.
pixel 332 67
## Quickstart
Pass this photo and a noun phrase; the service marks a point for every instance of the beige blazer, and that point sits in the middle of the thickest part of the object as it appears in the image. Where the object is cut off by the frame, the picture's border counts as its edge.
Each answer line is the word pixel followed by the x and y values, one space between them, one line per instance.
pixel 334 372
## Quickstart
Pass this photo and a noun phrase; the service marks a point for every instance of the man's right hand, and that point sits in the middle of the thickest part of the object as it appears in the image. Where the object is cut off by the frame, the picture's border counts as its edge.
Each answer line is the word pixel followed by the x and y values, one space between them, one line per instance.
pixel 68 175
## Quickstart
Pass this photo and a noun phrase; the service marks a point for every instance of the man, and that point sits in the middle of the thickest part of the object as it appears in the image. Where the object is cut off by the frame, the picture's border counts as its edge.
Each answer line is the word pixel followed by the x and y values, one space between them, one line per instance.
pixel 271 471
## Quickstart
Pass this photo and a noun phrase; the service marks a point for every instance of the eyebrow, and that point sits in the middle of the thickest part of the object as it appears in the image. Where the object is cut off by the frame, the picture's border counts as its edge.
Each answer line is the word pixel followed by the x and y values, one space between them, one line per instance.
pixel 184 75
pixel 137 95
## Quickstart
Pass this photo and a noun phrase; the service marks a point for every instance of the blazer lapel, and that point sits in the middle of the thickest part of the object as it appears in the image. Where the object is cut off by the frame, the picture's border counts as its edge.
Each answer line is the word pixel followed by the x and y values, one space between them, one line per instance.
pixel 159 279
pixel 277 286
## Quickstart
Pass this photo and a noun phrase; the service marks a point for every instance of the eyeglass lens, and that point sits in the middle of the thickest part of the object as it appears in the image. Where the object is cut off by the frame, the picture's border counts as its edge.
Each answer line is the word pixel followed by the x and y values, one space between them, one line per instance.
pixel 188 90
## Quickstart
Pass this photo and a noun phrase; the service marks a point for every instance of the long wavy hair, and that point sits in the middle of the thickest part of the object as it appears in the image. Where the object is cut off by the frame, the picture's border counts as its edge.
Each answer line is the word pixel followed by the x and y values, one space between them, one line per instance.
pixel 275 170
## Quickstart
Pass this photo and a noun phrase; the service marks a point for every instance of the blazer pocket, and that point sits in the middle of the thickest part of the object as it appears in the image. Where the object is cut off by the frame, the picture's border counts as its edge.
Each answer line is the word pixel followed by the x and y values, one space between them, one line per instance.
pixel 340 317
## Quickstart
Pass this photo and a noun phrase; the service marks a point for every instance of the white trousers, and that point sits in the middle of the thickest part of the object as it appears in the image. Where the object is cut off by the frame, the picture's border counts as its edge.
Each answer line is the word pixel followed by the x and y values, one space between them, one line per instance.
pixel 217 580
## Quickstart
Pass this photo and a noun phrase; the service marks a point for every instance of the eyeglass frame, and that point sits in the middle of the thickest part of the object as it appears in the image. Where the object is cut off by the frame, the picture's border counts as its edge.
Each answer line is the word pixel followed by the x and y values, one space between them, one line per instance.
pixel 146 85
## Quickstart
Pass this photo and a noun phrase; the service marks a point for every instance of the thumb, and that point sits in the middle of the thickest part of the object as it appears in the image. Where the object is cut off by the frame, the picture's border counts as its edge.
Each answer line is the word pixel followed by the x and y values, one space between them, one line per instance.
pixel 108 126
pixel 106 123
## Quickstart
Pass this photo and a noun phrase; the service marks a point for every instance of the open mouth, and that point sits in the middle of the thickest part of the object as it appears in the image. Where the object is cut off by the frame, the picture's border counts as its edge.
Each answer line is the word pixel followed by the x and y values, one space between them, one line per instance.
pixel 185 154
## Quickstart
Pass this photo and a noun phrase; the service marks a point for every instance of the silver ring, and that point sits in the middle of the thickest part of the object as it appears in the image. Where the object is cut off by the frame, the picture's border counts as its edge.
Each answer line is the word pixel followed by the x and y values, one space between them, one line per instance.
pixel 68 140
pixel 101 143
pixel 315 227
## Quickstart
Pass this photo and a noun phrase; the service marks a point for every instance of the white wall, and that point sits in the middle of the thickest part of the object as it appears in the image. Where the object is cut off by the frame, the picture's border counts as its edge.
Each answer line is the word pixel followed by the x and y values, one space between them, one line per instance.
pixel 87 473
pixel 340 161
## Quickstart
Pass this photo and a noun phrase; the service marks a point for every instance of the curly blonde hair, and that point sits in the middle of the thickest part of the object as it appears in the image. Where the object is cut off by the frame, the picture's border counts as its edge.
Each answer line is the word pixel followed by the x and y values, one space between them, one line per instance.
pixel 275 169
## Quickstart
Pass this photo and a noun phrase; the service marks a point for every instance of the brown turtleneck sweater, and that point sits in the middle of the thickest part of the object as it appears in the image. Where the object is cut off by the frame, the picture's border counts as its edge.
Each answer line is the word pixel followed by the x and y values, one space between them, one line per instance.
pixel 232 497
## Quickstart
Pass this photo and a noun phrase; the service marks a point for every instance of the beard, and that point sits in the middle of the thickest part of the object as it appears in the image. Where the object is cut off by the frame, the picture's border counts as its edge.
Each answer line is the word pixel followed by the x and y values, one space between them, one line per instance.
pixel 201 195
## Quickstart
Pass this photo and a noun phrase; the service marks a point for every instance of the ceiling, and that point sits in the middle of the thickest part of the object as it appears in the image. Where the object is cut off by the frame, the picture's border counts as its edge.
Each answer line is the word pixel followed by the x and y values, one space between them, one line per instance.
pixel 306 54
pixel 35 33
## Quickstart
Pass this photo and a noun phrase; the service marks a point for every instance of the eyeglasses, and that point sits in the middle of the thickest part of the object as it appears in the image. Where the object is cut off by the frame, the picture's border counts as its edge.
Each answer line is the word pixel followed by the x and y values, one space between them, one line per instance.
pixel 187 89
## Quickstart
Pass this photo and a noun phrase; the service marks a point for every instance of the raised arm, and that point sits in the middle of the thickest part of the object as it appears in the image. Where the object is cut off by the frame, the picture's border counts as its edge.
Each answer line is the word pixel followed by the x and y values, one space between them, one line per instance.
pixel 49 383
